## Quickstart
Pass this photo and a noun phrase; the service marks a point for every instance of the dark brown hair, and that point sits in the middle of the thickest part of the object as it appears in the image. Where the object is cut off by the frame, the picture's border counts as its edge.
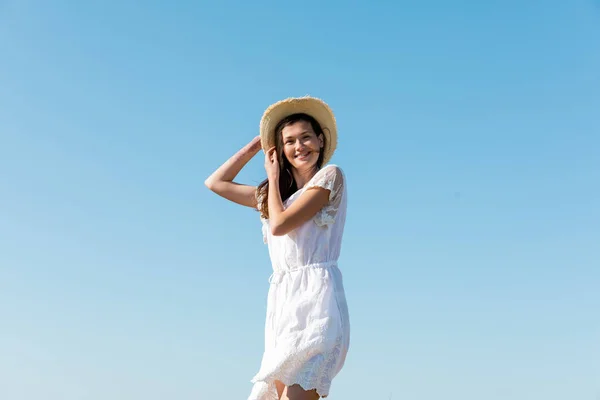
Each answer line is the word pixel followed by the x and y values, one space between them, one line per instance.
pixel 287 183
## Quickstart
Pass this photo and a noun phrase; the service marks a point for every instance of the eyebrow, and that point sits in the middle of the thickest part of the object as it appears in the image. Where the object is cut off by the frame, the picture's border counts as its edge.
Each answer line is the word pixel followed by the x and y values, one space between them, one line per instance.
pixel 300 134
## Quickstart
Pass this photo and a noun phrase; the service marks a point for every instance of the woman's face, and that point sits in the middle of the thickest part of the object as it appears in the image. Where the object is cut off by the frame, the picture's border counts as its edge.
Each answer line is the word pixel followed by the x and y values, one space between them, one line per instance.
pixel 301 145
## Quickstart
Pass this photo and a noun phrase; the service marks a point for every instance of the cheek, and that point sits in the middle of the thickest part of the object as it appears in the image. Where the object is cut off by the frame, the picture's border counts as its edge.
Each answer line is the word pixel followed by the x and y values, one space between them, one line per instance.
pixel 288 152
pixel 316 144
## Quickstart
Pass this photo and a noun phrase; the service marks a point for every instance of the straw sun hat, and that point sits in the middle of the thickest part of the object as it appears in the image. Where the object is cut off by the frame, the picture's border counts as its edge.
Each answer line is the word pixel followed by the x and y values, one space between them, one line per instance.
pixel 312 106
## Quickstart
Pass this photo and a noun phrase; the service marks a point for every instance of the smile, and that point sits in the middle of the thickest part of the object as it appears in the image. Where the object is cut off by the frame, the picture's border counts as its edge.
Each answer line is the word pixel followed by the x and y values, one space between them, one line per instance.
pixel 303 156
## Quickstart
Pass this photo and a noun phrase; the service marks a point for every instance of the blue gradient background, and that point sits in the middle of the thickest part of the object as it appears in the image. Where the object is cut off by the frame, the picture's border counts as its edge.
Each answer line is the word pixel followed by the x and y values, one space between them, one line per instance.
pixel 470 136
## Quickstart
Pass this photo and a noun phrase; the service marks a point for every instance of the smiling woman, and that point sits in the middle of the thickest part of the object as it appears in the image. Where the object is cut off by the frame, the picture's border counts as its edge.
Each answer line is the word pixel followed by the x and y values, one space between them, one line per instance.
pixel 303 139
pixel 302 205
pixel 299 139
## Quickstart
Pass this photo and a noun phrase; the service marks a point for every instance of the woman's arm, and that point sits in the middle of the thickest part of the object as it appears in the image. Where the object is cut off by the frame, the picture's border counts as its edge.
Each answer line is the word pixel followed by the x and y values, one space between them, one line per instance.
pixel 308 204
pixel 221 181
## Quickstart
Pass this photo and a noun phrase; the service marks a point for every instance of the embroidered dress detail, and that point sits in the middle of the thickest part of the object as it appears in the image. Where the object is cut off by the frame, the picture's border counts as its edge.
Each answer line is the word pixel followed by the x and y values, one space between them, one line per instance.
pixel 307 328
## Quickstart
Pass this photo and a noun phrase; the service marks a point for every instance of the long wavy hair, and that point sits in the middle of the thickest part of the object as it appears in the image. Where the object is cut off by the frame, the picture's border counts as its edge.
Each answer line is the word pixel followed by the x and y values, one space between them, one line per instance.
pixel 287 183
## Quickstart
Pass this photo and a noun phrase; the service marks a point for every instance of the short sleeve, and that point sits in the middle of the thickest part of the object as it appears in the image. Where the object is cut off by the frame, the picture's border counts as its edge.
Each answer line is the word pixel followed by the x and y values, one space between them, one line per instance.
pixel 332 179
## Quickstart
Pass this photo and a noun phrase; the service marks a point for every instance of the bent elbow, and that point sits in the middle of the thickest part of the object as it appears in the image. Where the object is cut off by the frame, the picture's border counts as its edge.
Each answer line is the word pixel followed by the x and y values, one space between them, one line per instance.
pixel 209 184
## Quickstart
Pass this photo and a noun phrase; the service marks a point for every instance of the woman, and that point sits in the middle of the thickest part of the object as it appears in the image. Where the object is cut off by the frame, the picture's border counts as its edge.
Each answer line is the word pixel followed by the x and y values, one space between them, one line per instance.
pixel 302 204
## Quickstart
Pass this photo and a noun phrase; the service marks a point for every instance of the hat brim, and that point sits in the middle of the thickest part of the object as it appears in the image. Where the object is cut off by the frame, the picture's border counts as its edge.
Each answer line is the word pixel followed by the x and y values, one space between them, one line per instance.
pixel 312 106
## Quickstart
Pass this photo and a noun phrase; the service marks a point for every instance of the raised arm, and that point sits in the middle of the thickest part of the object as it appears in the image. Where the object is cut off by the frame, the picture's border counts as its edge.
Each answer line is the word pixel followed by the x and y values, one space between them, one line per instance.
pixel 221 181
pixel 323 188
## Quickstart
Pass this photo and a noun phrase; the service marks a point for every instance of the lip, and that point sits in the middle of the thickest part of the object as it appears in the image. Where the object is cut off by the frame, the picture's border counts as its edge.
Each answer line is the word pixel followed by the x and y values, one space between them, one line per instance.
pixel 303 157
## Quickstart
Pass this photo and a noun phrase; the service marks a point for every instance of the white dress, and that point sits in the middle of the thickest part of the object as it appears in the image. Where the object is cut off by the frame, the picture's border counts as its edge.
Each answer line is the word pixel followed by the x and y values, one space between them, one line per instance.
pixel 307 330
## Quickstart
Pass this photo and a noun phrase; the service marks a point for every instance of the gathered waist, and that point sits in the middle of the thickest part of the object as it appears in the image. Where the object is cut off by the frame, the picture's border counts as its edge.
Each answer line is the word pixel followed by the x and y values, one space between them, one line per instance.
pixel 278 274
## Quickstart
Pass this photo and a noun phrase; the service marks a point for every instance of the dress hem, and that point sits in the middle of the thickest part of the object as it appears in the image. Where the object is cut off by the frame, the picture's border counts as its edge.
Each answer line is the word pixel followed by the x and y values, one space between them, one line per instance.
pixel 287 383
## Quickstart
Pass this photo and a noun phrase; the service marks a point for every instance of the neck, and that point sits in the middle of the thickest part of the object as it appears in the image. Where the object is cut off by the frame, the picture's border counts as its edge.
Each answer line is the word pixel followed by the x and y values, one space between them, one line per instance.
pixel 303 176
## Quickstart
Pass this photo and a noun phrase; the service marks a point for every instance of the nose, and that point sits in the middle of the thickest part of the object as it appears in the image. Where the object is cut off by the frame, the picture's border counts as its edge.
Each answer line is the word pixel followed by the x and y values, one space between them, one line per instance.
pixel 299 145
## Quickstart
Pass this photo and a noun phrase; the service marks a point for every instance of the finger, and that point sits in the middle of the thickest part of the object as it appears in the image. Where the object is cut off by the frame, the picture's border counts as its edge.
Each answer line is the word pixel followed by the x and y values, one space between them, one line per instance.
pixel 272 154
pixel 268 154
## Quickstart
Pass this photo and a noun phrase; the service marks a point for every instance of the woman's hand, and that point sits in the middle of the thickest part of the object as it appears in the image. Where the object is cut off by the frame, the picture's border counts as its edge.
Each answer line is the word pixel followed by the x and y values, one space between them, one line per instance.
pixel 254 145
pixel 272 165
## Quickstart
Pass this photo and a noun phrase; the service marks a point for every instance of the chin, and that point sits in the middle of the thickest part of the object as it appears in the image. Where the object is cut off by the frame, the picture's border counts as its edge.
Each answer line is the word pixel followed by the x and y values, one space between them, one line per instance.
pixel 304 165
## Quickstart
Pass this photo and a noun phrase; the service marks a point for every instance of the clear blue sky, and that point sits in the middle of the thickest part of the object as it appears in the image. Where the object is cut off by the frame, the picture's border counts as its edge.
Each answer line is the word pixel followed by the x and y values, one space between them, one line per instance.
pixel 470 136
